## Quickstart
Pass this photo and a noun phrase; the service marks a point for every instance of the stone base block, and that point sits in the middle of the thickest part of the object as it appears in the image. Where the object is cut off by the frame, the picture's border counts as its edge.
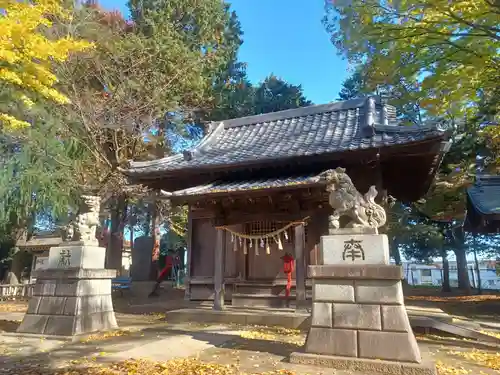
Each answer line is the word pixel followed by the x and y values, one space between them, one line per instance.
pixel 342 342
pixel 33 323
pixel 362 365
pixel 358 230
pixel 50 276
pixel 77 256
pixel 391 346
pixel 70 302
pixel 60 325
pixel 356 272
pixel 358 311
pixel 354 249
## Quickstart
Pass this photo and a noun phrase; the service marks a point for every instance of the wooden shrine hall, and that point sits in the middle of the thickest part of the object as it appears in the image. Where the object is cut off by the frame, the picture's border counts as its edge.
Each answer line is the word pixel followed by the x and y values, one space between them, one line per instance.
pixel 483 205
pixel 257 200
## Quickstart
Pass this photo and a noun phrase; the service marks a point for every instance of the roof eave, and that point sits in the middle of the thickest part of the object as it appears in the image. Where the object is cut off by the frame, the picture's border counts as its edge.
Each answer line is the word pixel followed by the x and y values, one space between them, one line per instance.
pixel 478 207
pixel 237 193
pixel 248 163
pixel 213 131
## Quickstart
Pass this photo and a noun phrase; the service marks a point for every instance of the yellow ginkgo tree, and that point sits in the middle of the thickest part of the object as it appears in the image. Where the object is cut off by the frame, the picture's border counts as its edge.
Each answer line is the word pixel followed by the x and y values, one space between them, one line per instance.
pixel 450 50
pixel 27 53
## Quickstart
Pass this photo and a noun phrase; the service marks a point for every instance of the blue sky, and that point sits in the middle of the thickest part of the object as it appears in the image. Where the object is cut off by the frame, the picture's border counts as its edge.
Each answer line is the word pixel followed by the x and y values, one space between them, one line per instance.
pixel 287 38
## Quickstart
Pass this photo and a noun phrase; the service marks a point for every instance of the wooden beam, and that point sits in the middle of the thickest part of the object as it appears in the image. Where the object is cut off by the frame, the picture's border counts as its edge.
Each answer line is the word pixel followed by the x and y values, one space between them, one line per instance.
pixel 220 252
pixel 300 265
pixel 278 193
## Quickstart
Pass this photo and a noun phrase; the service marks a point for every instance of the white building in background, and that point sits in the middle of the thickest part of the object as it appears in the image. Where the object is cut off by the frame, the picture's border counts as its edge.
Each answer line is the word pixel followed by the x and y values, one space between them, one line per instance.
pixel 432 274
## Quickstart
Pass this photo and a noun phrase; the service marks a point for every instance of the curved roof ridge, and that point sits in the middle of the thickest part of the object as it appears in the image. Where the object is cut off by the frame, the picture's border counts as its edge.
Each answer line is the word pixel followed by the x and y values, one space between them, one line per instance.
pixel 298 112
pixel 322 129
pixel 213 131
pixel 155 162
pixel 204 141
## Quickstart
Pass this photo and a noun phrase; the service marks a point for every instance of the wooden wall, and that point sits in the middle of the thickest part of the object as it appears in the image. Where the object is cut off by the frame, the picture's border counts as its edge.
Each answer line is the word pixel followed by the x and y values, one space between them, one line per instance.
pixel 202 252
pixel 238 266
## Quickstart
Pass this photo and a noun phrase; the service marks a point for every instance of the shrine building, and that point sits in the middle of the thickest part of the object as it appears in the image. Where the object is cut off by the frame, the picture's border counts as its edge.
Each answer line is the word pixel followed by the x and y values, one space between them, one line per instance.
pixel 257 200
pixel 39 245
pixel 483 205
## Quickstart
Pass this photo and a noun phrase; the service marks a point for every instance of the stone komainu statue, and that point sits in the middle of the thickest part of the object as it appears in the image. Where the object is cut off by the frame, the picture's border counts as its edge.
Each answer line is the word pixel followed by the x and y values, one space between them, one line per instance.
pixel 347 201
pixel 83 228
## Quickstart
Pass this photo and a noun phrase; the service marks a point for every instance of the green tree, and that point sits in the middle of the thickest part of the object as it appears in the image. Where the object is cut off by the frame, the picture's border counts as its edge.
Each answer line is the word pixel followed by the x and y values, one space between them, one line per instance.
pixel 399 93
pixel 275 94
pixel 38 172
pixel 234 95
pixel 215 30
pixel 445 201
pixel 121 90
pixel 37 182
pixel 445 57
pixel 441 44
pixel 354 86
pixel 241 98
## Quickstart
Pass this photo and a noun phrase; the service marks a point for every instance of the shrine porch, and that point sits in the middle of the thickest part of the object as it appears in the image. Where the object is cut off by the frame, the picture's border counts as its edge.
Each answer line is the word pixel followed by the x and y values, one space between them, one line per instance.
pixel 287 318
pixel 246 293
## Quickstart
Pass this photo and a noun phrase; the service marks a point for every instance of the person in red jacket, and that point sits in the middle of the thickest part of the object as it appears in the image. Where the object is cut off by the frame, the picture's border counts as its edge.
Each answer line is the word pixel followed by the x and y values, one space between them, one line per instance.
pixel 169 261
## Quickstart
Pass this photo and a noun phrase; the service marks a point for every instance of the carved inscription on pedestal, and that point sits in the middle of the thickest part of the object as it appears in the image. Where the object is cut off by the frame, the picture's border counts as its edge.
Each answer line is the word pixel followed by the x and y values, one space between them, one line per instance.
pixel 64 258
pixel 357 249
pixel 353 250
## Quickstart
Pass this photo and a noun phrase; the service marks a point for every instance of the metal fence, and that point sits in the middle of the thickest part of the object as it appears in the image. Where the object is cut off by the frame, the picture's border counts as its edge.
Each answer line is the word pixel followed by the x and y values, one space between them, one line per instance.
pixel 16 291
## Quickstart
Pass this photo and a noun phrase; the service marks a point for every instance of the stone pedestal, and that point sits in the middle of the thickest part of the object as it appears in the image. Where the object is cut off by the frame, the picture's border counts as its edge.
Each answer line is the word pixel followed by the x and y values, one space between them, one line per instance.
pixel 359 321
pixel 73 296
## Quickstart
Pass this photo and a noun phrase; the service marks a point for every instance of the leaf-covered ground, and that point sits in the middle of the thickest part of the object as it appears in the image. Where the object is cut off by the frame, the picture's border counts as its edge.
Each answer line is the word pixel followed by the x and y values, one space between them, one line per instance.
pixel 143 367
pixel 13 306
pixel 246 350
pixel 478 298
pixel 250 350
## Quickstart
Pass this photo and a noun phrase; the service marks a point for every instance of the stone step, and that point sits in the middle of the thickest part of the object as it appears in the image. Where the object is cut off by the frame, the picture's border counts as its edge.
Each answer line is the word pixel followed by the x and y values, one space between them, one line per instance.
pixel 268 289
pixel 263 300
pixel 450 328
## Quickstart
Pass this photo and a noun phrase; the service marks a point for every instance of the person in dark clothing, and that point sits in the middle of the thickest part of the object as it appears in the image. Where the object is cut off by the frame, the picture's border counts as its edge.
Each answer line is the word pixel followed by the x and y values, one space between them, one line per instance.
pixel 169 261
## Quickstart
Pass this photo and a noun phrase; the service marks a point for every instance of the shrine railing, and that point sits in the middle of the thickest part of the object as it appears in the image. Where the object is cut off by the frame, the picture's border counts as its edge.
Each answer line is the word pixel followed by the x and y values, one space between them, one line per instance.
pixel 15 291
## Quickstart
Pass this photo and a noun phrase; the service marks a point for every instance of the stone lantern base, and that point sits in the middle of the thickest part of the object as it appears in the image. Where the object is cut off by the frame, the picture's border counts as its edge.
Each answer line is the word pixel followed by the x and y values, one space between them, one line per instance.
pixel 359 320
pixel 74 300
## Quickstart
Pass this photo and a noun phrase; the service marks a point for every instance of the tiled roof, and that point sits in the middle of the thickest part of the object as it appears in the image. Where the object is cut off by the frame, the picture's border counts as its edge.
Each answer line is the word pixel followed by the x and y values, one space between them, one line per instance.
pixel 40 242
pixel 231 186
pixel 323 129
pixel 485 195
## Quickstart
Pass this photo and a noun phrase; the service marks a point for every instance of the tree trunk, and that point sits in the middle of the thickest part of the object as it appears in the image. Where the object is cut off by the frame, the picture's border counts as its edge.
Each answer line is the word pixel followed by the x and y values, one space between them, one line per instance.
pixel 115 244
pixel 479 287
pixel 395 251
pixel 155 251
pixel 446 288
pixel 147 223
pixel 462 271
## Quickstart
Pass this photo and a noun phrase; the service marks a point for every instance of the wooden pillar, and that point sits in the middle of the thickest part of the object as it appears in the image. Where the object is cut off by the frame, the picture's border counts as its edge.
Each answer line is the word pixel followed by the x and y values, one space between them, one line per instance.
pixel 189 245
pixel 300 266
pixel 241 257
pixel 33 266
pixel 220 252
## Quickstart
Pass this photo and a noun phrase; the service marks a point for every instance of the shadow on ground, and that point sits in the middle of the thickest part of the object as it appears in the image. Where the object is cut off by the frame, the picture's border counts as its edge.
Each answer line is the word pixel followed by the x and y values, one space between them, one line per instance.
pixel 53 353
pixel 138 302
pixel 483 307
pixel 110 350
pixel 9 325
